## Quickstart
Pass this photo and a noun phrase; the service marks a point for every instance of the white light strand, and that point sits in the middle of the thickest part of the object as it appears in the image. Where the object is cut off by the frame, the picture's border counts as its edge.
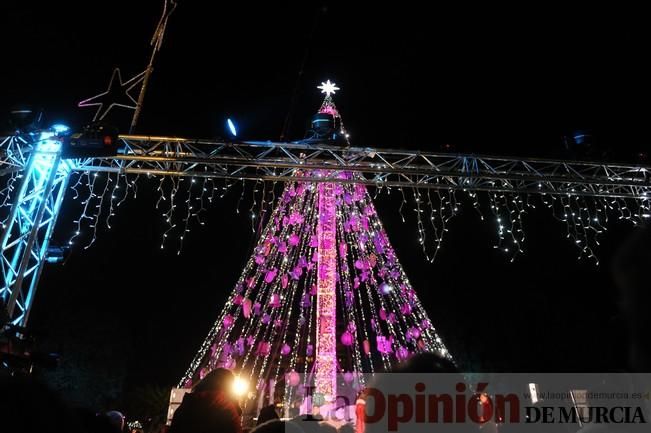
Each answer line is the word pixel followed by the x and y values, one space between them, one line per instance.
pixel 585 218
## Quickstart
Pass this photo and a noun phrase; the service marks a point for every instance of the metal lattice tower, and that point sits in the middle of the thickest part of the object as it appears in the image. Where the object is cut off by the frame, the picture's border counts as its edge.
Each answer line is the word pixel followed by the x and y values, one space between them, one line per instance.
pixel 29 225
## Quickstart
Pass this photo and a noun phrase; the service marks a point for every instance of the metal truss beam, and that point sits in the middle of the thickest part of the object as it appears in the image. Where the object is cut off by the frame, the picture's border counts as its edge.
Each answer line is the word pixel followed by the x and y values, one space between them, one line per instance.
pixel 170 156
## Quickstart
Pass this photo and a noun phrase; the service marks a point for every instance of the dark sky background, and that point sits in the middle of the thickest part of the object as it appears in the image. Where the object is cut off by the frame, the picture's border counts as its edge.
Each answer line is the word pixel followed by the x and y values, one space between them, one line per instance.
pixel 488 81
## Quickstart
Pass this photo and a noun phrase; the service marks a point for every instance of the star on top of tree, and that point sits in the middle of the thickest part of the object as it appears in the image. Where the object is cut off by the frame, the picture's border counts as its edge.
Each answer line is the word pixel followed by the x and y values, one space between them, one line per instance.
pixel 328 88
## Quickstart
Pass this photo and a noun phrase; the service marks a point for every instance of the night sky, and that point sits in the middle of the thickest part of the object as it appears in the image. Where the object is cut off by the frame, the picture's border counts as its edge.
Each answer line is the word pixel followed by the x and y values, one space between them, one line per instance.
pixel 484 81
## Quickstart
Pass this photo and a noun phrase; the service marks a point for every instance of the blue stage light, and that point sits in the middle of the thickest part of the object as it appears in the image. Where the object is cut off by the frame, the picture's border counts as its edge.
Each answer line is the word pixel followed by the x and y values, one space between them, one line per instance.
pixel 60 128
pixel 231 127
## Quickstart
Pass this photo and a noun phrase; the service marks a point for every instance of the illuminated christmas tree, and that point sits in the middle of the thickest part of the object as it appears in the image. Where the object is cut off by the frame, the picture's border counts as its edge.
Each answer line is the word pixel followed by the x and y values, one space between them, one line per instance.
pixel 323 295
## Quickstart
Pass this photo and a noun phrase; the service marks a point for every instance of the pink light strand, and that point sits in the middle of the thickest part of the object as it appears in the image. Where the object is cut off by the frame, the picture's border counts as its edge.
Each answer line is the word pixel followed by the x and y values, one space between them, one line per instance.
pixel 326 340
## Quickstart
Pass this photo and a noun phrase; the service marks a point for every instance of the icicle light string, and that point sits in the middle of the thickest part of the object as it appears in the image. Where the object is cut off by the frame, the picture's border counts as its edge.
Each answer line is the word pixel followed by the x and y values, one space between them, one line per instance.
pixel 402 203
pixel 188 215
pixel 112 205
pixel 227 186
pixel 7 196
pixel 168 215
pixel 201 202
pixel 161 192
pixel 254 202
pixel 5 193
pixel 585 218
pixel 266 203
pixel 474 197
pixel 78 183
pixel 237 208
pixel 98 208
pixel 84 213
pixel 434 216
pixel 378 190
pixel 128 187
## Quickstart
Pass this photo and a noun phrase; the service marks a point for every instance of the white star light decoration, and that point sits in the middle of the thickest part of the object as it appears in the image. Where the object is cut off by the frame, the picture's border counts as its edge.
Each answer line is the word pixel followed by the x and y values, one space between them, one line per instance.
pixel 328 88
pixel 109 97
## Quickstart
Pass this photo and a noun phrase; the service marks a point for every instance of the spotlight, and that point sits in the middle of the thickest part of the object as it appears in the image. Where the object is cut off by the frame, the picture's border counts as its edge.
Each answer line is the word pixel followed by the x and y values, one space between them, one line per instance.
pixel 582 138
pixel 240 386
pixel 231 127
pixel 95 140
pixel 60 129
